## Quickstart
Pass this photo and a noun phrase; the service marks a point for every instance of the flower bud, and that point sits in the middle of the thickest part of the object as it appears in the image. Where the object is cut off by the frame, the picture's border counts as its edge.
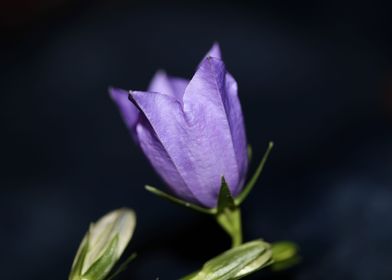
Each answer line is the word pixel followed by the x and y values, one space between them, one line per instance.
pixel 103 245
pixel 235 263
pixel 284 254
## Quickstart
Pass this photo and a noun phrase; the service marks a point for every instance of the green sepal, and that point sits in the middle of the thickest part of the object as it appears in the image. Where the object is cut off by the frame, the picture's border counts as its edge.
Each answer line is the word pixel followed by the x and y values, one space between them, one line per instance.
pixel 284 255
pixel 77 265
pixel 122 267
pixel 101 267
pixel 176 200
pixel 245 192
pixel 225 199
pixel 229 215
pixel 235 263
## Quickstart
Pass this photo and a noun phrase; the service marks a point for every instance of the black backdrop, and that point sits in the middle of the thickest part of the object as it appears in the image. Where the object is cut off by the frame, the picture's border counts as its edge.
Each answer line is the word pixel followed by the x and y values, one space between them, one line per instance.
pixel 315 78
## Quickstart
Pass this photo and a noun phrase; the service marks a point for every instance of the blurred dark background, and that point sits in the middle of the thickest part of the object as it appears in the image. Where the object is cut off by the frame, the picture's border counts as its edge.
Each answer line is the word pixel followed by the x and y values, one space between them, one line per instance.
pixel 315 77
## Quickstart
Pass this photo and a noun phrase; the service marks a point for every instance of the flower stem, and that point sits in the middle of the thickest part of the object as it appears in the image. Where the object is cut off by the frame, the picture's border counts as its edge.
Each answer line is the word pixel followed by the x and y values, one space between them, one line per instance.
pixel 230 221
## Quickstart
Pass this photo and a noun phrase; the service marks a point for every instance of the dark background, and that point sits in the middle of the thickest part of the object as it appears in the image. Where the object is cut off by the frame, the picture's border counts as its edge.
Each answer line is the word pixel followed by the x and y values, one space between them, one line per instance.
pixel 315 77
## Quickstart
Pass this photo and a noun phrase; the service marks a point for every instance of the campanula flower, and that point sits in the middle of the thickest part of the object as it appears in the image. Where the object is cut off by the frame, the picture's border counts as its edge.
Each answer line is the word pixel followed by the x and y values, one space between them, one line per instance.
pixel 192 132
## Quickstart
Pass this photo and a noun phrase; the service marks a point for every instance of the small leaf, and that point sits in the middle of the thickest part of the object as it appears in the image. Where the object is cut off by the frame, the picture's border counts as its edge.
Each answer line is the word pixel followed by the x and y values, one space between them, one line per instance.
pixel 171 198
pixel 241 197
pixel 236 263
pixel 104 264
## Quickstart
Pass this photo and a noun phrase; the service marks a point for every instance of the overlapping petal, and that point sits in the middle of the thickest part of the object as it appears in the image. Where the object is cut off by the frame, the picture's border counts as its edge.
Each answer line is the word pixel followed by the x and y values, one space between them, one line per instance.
pixel 128 111
pixel 165 84
pixel 205 105
pixel 237 127
pixel 164 138
pixel 234 115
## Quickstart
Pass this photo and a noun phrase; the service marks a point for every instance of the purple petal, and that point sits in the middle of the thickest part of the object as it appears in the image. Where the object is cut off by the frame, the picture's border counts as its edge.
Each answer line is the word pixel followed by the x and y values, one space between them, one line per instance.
pixel 214 52
pixel 162 161
pixel 163 138
pixel 164 84
pixel 128 111
pixel 237 127
pixel 206 108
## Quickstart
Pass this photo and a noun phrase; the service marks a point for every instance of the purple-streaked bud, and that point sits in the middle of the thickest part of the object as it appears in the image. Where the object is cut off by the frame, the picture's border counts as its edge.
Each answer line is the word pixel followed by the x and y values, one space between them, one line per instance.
pixel 192 132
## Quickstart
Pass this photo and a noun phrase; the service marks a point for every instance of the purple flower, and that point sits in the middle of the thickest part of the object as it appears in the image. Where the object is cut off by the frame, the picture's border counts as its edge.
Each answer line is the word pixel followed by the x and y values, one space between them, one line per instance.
pixel 192 132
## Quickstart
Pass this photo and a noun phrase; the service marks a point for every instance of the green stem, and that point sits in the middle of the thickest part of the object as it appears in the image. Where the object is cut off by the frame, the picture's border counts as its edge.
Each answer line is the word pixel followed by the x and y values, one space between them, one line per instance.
pixel 230 221
pixel 236 237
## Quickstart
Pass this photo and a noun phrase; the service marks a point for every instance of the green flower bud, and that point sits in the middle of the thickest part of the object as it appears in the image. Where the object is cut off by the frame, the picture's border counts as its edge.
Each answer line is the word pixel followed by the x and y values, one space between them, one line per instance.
pixel 235 263
pixel 103 245
pixel 284 254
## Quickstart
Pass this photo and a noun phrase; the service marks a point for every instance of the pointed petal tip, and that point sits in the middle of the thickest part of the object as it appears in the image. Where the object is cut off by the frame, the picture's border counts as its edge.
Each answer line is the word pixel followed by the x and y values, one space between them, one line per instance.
pixel 215 51
pixel 113 91
pixel 160 73
pixel 131 98
pixel 117 94
pixel 209 58
pixel 216 45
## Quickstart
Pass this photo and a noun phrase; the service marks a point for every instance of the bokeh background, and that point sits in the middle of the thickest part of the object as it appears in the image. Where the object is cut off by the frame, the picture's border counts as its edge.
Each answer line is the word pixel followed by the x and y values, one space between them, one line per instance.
pixel 314 77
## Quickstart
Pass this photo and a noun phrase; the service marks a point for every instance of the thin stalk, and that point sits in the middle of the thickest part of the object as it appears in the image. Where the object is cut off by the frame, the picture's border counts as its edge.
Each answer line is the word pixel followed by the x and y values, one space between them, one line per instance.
pixel 230 221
